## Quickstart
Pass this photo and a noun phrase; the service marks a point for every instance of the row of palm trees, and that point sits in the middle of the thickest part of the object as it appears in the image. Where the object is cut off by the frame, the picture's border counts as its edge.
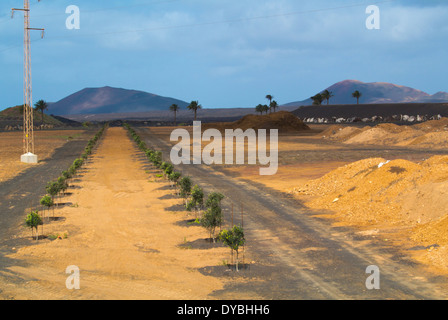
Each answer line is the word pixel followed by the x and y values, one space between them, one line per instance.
pixel 326 95
pixel 193 106
pixel 273 105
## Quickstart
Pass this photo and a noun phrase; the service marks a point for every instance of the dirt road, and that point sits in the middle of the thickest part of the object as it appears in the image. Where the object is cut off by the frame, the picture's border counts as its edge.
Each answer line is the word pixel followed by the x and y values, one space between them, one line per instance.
pixel 25 189
pixel 302 257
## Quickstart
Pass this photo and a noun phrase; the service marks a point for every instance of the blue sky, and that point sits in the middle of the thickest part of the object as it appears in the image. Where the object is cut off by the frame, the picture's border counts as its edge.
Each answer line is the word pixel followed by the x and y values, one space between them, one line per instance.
pixel 224 53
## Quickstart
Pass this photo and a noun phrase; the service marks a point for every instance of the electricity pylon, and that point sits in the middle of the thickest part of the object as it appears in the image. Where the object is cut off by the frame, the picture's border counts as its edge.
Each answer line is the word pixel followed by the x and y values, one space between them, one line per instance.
pixel 28 121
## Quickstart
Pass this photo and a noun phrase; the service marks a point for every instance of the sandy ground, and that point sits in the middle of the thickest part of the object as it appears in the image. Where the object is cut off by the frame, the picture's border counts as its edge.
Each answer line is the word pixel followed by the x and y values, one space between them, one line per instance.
pixel 431 134
pixel 338 174
pixel 11 148
pixel 121 224
pixel 116 235
pixel 293 169
pixel 308 159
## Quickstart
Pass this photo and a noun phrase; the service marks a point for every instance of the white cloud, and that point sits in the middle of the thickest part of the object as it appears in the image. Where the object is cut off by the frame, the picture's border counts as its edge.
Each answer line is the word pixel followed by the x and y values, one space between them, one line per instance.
pixel 411 23
pixel 227 41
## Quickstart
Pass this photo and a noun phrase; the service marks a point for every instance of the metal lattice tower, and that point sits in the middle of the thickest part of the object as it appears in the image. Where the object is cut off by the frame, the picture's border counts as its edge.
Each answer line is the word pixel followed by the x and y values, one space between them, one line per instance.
pixel 28 121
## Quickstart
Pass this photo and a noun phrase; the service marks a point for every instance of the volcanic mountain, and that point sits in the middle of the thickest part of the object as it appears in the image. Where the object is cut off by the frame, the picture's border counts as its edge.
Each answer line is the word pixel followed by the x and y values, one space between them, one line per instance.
pixel 107 100
pixel 375 93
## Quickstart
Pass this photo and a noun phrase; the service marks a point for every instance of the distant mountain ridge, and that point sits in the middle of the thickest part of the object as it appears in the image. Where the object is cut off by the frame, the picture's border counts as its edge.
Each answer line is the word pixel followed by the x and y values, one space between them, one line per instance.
pixel 107 100
pixel 375 93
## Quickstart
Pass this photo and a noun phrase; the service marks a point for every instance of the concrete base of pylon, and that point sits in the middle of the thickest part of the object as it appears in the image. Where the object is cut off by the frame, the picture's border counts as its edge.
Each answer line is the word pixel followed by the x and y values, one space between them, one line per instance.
pixel 28 158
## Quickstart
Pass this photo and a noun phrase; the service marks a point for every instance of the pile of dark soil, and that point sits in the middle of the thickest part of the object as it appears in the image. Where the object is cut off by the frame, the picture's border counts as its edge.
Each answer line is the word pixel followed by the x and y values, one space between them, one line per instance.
pixel 284 121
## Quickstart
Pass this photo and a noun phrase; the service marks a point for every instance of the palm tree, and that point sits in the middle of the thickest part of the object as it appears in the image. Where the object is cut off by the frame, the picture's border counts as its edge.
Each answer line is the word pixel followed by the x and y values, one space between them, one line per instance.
pixel 194 106
pixel 41 106
pixel 259 108
pixel 269 97
pixel 265 108
pixel 357 95
pixel 175 108
pixel 317 99
pixel 273 105
pixel 327 95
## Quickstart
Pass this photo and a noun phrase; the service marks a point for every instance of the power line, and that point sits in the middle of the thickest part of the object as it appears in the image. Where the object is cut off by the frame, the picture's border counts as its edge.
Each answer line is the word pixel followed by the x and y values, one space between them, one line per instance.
pixel 131 6
pixel 199 24
pixel 100 10
pixel 8 19
pixel 235 20
pixel 12 46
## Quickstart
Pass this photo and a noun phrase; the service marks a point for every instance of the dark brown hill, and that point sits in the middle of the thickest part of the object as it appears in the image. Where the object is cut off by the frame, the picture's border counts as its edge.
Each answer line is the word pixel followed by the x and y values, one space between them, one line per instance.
pixel 284 121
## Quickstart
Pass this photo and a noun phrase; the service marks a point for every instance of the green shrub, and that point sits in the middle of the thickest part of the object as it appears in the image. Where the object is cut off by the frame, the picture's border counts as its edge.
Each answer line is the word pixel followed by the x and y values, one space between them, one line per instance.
pixel 196 199
pixel 33 221
pixel 53 189
pixel 62 184
pixel 212 219
pixel 234 239
pixel 66 174
pixel 214 198
pixel 185 187
pixel 174 178
pixel 168 168
pixel 47 201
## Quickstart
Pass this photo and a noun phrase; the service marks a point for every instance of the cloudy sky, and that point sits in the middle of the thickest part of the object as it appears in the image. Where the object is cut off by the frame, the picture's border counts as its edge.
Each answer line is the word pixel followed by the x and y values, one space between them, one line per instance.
pixel 224 53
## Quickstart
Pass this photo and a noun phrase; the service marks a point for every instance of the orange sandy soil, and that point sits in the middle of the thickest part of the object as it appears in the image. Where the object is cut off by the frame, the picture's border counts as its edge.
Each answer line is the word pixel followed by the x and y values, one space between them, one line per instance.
pixel 123 235
pixel 398 201
pixel 431 134
pixel 289 174
pixel 46 142
pixel 402 202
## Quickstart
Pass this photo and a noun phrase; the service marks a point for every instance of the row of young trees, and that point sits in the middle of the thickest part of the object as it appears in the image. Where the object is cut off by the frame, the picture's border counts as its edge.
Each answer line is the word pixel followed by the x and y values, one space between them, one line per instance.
pixel 60 185
pixel 326 95
pixel 208 212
